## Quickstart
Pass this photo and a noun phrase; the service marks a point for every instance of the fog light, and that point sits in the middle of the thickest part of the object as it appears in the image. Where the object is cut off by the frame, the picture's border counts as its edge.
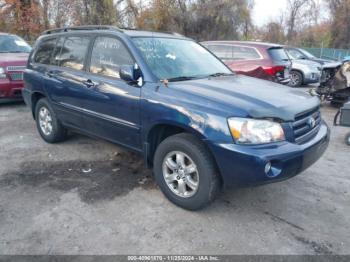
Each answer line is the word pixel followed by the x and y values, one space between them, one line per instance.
pixel 267 167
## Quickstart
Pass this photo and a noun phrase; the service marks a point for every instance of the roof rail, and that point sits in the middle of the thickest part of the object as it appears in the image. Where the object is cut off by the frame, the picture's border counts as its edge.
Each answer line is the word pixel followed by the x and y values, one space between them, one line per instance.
pixel 171 33
pixel 82 28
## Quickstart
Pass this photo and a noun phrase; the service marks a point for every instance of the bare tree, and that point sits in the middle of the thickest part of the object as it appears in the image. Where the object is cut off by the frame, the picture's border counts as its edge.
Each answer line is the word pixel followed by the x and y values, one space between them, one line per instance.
pixel 340 32
pixel 295 8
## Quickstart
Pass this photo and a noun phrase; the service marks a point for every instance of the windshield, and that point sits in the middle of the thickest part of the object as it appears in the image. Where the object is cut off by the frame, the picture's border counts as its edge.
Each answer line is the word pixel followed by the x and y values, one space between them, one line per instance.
pixel 295 54
pixel 306 53
pixel 13 44
pixel 278 54
pixel 177 58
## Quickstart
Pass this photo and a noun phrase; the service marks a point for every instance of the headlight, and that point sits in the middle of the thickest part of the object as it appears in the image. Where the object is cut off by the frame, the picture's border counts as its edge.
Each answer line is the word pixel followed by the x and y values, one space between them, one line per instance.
pixel 2 73
pixel 251 131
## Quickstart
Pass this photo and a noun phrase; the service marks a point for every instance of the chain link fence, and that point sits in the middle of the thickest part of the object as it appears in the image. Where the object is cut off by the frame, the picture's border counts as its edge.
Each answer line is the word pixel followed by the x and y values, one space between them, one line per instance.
pixel 328 53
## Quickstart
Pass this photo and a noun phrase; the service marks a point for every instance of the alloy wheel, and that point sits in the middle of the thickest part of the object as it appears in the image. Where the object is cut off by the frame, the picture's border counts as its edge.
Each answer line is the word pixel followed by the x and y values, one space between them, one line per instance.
pixel 45 121
pixel 294 79
pixel 180 174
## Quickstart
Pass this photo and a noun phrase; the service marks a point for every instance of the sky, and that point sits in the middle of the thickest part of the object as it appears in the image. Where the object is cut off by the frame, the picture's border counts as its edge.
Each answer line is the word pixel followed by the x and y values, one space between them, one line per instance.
pixel 265 10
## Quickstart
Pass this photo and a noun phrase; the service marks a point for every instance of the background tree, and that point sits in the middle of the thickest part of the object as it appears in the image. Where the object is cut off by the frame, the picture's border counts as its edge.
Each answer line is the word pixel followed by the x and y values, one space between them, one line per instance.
pixel 302 23
pixel 273 32
pixel 295 8
pixel 340 33
pixel 22 17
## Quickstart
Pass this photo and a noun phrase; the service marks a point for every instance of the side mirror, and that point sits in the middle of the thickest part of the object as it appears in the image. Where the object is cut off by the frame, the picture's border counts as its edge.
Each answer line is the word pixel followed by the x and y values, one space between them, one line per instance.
pixel 127 73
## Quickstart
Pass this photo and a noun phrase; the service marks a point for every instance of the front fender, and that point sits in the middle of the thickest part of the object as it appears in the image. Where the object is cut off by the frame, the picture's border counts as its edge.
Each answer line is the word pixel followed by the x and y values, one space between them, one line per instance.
pixel 207 124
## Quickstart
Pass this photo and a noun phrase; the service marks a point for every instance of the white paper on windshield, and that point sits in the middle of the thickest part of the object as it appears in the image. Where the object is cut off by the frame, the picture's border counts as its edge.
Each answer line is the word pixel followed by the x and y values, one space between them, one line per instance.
pixel 20 43
pixel 170 56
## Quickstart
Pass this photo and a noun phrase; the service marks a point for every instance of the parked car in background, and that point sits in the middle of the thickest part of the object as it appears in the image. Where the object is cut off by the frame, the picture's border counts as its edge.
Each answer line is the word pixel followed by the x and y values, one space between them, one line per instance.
pixel 335 83
pixel 300 53
pixel 304 72
pixel 14 52
pixel 261 60
pixel 199 125
pixel 306 67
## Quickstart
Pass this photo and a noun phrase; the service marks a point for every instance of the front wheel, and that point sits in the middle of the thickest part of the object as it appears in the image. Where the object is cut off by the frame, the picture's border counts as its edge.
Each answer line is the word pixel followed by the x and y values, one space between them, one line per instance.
pixel 296 79
pixel 186 172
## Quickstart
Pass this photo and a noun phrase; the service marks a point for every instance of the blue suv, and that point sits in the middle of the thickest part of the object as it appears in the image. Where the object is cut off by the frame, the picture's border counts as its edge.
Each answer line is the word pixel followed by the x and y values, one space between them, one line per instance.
pixel 198 125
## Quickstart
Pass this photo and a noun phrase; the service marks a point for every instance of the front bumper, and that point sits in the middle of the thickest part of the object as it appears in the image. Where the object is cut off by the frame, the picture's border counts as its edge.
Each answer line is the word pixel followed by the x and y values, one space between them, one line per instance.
pixel 312 77
pixel 10 90
pixel 242 165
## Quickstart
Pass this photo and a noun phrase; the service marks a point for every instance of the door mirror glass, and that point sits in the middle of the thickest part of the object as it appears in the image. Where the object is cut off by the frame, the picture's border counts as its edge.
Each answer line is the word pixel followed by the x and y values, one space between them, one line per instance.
pixel 127 73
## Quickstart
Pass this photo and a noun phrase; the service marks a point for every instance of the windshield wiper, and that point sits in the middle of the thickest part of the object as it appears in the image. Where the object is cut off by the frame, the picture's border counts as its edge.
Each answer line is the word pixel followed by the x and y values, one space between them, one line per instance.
pixel 221 74
pixel 181 78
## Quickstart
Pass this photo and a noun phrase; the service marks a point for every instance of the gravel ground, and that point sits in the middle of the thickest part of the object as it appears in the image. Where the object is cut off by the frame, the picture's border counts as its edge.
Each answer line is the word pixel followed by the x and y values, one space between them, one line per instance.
pixel 86 196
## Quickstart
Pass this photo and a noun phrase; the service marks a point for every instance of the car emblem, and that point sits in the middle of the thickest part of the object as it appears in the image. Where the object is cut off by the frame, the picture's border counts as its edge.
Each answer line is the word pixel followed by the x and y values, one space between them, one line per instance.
pixel 311 122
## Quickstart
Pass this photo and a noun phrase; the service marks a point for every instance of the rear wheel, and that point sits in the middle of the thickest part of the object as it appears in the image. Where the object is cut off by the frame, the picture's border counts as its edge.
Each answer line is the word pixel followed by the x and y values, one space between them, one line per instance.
pixel 186 172
pixel 347 139
pixel 49 127
pixel 296 79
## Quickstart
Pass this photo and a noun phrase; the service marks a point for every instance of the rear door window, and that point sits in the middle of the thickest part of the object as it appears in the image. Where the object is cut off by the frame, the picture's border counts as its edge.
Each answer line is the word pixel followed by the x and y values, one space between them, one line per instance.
pixel 73 52
pixel 57 51
pixel 278 54
pixel 223 52
pixel 108 55
pixel 44 52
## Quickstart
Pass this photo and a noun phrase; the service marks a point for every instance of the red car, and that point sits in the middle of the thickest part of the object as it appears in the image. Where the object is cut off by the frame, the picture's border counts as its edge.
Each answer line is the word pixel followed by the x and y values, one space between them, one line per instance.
pixel 14 52
pixel 262 60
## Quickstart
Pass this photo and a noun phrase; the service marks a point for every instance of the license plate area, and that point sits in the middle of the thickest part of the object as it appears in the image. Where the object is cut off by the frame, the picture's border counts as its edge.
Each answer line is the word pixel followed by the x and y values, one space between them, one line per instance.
pixel 16 76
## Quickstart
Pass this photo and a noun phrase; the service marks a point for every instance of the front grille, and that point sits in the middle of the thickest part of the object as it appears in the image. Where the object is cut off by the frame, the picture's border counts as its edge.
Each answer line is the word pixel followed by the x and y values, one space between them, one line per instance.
pixel 16 76
pixel 306 125
pixel 15 68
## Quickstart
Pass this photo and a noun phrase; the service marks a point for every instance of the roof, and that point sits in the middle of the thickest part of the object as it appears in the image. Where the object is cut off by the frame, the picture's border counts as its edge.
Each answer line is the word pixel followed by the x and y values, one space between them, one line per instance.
pixel 247 43
pixel 106 28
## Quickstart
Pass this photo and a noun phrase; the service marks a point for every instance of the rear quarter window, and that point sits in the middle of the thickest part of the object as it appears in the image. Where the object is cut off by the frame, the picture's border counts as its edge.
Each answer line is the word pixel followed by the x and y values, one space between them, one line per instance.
pixel 44 52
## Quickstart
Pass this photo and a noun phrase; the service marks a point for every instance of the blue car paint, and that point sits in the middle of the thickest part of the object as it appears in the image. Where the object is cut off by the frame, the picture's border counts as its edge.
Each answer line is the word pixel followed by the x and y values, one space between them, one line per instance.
pixel 127 114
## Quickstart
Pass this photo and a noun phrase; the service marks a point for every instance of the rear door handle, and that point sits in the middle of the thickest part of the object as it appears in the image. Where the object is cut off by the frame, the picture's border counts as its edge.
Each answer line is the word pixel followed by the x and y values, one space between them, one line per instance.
pixel 89 84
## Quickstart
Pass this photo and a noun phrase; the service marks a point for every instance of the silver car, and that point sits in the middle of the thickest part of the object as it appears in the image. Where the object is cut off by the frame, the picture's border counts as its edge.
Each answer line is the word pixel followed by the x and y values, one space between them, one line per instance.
pixel 303 71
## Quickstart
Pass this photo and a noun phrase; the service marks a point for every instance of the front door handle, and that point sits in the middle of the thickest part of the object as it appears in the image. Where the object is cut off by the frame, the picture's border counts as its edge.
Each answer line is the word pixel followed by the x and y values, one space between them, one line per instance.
pixel 50 73
pixel 89 84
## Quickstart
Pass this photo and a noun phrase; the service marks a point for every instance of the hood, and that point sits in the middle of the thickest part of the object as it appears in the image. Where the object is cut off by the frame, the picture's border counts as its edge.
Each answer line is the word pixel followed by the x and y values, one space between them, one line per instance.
pixel 258 98
pixel 331 64
pixel 322 61
pixel 13 59
pixel 306 62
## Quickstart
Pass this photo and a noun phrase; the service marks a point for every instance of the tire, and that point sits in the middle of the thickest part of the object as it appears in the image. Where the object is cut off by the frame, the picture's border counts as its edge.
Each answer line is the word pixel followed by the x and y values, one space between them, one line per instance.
pixel 347 139
pixel 296 79
pixel 205 179
pixel 49 127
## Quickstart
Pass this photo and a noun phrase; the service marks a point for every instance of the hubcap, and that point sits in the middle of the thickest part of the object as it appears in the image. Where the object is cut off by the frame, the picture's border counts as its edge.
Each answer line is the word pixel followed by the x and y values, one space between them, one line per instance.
pixel 180 174
pixel 45 121
pixel 294 79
